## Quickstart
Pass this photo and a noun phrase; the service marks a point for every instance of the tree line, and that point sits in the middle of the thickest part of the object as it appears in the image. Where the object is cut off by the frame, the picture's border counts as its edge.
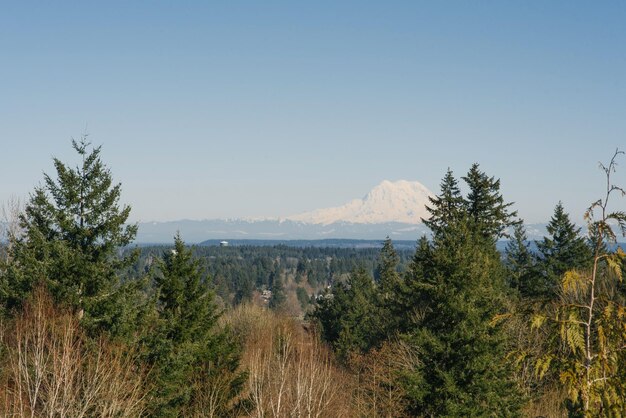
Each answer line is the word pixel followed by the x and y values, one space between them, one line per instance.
pixel 239 273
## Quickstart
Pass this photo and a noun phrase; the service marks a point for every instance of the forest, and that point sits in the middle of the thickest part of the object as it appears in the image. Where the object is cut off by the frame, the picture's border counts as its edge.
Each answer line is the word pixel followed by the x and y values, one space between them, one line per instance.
pixel 295 275
pixel 94 325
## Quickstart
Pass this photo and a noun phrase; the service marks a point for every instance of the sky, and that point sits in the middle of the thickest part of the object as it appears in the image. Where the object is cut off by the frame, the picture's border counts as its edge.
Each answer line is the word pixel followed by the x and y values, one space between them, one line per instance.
pixel 263 109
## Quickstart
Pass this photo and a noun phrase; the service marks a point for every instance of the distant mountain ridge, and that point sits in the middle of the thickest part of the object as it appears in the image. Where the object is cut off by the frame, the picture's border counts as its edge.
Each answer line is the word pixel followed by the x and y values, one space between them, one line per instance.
pixel 401 201
pixel 391 209
pixel 198 231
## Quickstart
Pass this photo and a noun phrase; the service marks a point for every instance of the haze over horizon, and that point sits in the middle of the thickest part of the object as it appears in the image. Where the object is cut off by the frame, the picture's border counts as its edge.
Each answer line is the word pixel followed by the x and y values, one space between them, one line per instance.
pixel 271 109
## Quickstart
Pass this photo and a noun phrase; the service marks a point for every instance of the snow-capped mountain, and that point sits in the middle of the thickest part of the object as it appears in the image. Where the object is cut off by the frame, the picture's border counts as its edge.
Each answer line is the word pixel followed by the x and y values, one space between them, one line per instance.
pixel 399 201
pixel 391 209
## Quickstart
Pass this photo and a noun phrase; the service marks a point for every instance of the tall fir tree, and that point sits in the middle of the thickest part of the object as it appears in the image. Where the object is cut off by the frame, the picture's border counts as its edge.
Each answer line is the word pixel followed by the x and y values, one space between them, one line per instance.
pixel 447 207
pixel 485 205
pixel 73 232
pixel 562 250
pixel 386 273
pixel 457 285
pixel 187 350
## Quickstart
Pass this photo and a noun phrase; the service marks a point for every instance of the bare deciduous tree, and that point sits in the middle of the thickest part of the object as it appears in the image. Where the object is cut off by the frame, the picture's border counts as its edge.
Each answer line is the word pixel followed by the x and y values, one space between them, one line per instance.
pixel 291 373
pixel 52 370
pixel 10 228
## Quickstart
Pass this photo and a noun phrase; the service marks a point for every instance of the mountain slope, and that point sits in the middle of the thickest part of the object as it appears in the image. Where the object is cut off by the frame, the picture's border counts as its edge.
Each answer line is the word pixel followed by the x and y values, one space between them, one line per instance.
pixel 400 201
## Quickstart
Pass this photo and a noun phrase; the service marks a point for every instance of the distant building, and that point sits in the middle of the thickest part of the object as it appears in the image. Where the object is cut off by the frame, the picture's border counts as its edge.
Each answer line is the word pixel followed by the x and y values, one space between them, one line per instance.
pixel 223 243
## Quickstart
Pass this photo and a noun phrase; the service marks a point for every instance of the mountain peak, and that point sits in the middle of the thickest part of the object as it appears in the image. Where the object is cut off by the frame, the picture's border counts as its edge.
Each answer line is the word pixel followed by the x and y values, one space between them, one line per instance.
pixel 390 201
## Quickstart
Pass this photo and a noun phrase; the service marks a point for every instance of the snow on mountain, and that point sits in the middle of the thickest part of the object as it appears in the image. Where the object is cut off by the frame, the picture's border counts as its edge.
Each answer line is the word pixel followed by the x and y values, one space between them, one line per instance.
pixel 400 201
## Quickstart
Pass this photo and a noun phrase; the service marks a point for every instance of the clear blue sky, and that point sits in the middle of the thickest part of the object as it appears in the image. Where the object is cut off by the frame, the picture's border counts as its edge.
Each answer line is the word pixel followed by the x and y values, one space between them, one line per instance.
pixel 237 109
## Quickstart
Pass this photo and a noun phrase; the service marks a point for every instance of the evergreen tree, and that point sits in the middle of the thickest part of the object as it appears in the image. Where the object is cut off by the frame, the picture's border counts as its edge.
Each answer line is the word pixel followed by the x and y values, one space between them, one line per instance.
pixel 408 305
pixel 279 298
pixel 447 207
pixel 520 261
pixel 562 250
pixel 386 274
pixel 73 232
pixel 485 205
pixel 187 351
pixel 457 285
pixel 421 264
pixel 348 315
pixel 389 287
pixel 244 290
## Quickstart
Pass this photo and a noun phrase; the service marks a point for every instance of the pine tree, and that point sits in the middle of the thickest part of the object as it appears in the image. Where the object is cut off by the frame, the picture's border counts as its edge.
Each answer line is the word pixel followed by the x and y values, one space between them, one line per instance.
pixel 457 285
pixel 520 261
pixel 279 298
pixel 485 205
pixel 386 274
pixel 189 354
pixel 389 287
pixel 73 232
pixel 447 207
pixel 562 250
pixel 416 279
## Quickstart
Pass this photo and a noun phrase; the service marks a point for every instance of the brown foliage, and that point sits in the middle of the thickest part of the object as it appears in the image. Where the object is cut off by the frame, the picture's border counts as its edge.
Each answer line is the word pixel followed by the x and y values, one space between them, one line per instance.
pixel 49 368
pixel 291 373
pixel 378 390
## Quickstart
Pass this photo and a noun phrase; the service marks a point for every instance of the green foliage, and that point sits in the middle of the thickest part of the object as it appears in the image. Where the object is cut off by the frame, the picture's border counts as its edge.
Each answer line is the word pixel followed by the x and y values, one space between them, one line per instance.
pixel 386 273
pixel 520 262
pixel 457 285
pixel 485 205
pixel 390 288
pixel 73 229
pixel 303 297
pixel 238 271
pixel 348 315
pixel 407 308
pixel 279 298
pixel 447 207
pixel 188 353
pixel 562 250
